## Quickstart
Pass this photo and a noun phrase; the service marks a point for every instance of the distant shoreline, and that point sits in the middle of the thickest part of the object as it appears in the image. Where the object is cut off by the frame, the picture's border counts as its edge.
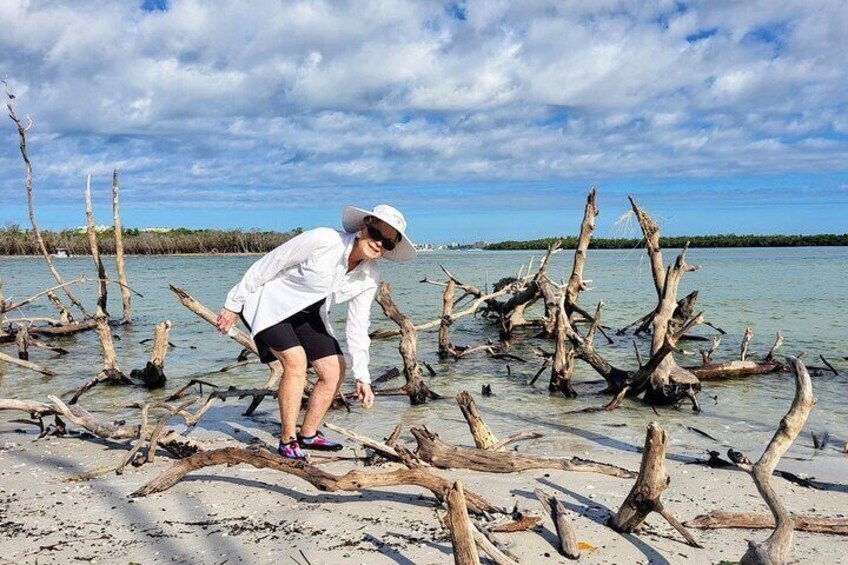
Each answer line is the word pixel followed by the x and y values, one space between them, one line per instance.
pixel 15 242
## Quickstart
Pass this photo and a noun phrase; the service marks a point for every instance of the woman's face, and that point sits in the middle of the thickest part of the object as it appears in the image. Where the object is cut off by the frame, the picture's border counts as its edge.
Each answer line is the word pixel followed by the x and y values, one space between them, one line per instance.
pixel 375 237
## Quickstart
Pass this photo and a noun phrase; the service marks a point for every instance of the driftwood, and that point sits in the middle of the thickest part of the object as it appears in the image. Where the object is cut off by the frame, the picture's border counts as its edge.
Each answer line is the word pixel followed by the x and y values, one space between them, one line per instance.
pixel 564 530
pixel 351 481
pixel 486 545
pixel 562 366
pixel 126 297
pixel 65 316
pixel 153 374
pixel 415 387
pixel 645 495
pixel 434 451
pixel 26 364
pixel 480 431
pixel 746 339
pixel 21 341
pixel 775 549
pixel 236 334
pixel 28 167
pixel 755 521
pixel 111 373
pixel 66 329
pixel 35 409
pixel 386 450
pixel 460 528
pixel 95 252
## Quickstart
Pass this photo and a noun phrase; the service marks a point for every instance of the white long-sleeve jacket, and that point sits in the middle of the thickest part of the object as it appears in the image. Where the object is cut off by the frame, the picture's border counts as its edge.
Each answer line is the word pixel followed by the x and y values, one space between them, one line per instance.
pixel 302 271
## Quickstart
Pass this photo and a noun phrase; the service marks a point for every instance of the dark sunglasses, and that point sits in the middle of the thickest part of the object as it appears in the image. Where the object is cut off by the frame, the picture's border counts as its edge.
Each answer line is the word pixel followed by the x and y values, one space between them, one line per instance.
pixel 374 233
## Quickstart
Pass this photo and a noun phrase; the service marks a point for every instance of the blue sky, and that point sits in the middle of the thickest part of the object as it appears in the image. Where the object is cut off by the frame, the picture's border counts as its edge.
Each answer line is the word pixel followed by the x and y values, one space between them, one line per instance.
pixel 480 120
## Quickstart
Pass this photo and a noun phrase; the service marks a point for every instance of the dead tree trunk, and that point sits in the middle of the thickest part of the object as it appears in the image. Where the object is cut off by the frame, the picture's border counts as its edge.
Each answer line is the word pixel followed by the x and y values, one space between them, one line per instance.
pixel 21 339
pixel 563 361
pixel 564 530
pixel 483 436
pixel 28 166
pixel 91 230
pixel 434 451
pixel 153 374
pixel 126 297
pixel 111 373
pixel 445 347
pixel 576 283
pixel 775 549
pixel 645 495
pixel 415 387
pixel 668 382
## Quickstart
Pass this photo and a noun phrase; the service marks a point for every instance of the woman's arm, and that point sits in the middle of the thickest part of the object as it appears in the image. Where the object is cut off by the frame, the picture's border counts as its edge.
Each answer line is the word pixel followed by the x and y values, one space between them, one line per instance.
pixel 356 331
pixel 293 252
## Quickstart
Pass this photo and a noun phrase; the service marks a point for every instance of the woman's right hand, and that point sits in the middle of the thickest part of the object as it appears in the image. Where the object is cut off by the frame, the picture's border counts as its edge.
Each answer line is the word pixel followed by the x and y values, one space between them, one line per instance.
pixel 226 320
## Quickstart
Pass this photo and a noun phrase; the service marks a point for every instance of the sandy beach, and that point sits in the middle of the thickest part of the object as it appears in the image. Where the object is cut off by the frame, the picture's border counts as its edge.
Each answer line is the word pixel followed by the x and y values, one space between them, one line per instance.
pixel 247 515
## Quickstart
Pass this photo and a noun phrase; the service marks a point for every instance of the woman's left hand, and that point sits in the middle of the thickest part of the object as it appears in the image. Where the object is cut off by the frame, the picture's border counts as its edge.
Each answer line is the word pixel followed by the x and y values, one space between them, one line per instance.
pixel 365 394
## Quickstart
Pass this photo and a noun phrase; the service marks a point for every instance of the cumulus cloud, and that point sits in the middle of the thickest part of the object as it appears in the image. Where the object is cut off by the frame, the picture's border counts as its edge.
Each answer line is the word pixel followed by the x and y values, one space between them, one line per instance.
pixel 218 104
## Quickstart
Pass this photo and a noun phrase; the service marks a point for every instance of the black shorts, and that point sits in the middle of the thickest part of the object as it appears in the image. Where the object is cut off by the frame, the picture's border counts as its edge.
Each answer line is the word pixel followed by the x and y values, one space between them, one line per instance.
pixel 305 328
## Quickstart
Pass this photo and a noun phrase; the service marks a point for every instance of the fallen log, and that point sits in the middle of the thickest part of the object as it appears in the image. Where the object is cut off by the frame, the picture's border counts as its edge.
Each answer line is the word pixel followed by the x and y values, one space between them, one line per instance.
pixel 65 329
pixel 26 364
pixel 564 530
pixel 734 369
pixel 460 528
pixel 326 482
pixel 645 496
pixel 434 451
pixel 758 521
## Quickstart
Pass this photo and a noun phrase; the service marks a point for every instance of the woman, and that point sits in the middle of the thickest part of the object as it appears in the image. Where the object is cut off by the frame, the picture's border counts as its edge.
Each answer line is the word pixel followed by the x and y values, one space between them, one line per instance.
pixel 284 299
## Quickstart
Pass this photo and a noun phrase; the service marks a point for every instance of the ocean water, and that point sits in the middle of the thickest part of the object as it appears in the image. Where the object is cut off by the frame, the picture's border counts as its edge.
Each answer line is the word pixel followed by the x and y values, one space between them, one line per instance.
pixel 803 292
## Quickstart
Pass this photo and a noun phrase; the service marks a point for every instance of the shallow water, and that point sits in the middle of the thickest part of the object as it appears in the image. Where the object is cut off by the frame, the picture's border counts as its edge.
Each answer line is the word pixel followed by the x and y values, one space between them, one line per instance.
pixel 801 292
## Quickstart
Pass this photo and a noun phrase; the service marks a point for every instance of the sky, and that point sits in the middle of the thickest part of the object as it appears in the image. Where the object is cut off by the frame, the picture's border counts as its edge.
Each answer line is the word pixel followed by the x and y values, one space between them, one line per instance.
pixel 479 120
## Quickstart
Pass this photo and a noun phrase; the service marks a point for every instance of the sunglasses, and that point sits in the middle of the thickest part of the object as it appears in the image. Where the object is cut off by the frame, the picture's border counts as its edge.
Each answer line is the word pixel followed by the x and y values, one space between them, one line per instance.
pixel 374 233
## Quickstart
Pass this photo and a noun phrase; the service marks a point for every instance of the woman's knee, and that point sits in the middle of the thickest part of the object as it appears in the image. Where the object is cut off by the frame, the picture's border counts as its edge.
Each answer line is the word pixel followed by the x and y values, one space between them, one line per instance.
pixel 293 360
pixel 330 369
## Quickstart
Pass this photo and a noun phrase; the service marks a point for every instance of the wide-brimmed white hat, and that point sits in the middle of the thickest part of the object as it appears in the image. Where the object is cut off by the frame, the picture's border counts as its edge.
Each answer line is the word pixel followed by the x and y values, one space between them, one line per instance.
pixel 352 220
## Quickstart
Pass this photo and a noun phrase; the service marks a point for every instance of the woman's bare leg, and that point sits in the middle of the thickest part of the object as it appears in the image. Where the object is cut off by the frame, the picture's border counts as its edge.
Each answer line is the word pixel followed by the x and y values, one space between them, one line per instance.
pixel 330 371
pixel 290 391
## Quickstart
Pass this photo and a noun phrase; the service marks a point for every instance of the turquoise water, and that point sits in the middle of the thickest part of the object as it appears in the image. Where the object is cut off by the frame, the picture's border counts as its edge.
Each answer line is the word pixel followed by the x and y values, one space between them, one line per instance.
pixel 801 292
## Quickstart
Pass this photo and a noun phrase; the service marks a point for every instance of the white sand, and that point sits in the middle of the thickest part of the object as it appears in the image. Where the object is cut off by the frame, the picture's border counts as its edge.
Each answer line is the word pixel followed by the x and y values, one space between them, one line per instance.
pixel 247 515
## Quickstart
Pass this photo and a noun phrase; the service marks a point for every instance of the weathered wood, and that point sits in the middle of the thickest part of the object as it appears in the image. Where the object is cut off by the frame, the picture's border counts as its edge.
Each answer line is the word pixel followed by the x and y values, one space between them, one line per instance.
pixel 746 339
pixel 383 449
pixel 205 313
pixel 576 283
pixel 445 346
pixel 564 530
pixel 351 481
pixel 434 451
pixel 153 374
pixel 35 409
pixel 778 341
pixel 734 369
pixel 480 431
pixel 21 342
pixel 645 496
pixel 26 364
pixel 775 550
pixel 10 107
pixel 95 252
pixel 415 387
pixel 460 527
pixel 494 553
pixel 562 365
pixel 65 315
pixel 758 521
pixel 126 297
pixel 522 524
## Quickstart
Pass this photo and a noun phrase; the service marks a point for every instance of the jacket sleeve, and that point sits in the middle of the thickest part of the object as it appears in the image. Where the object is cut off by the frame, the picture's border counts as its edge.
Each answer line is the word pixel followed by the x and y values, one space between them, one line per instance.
pixel 356 332
pixel 293 252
